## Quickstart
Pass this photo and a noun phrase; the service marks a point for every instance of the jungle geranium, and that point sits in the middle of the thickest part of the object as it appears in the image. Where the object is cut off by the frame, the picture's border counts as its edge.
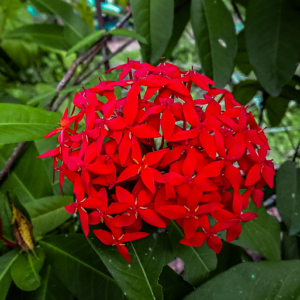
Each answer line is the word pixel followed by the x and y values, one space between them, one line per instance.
pixel 158 155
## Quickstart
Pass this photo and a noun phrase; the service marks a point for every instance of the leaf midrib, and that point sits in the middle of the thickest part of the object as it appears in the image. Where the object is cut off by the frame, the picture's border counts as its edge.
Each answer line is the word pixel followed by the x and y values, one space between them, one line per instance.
pixel 76 259
pixel 192 248
pixel 144 273
pixel 8 266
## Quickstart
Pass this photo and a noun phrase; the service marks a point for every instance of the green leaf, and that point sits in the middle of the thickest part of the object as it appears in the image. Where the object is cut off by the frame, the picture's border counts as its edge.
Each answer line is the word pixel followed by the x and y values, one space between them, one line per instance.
pixel 245 91
pixel 87 41
pixel 242 57
pixel 6 261
pixel 153 20
pixel 79 268
pixel 48 213
pixel 288 195
pixel 6 217
pixel 290 247
pixel 198 261
pixel 49 35
pixel 273 41
pixel 76 29
pixel 28 178
pixel 181 18
pixel 216 39
pixel 139 279
pixel 174 287
pixel 230 256
pixel 253 280
pixel 261 234
pixel 25 270
pixel 20 123
pixel 51 288
pixel 128 33
pixel 276 108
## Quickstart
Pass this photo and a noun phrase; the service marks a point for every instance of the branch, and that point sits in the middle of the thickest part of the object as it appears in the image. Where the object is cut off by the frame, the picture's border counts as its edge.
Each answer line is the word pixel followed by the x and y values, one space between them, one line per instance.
pixel 79 80
pixel 11 160
pixel 296 152
pixel 236 10
pixel 90 53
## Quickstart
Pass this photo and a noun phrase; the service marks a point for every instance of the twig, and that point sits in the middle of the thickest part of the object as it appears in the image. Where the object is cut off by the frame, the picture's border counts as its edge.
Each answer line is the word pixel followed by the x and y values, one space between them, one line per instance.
pixel 91 52
pixel 111 55
pixel 236 10
pixel 296 152
pixel 11 160
pixel 79 80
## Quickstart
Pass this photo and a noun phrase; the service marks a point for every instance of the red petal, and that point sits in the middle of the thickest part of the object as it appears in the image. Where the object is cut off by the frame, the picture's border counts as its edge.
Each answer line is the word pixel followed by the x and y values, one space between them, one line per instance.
pixel 104 236
pixel 208 143
pixel 128 237
pixel 268 174
pixel 173 211
pixel 124 196
pixel 144 197
pixel 124 147
pixel 253 175
pixel 150 217
pixel 129 172
pixel 215 243
pixel 233 232
pixel 189 164
pixel 191 115
pixel 248 216
pixel 209 208
pixel 190 226
pixel 145 131
pixel 148 179
pixel 194 198
pixel 99 168
pixel 125 219
pixel 212 170
pixel 124 252
pixel 167 124
pixel 153 158
pixel 71 208
pixel 195 241
pixel 84 219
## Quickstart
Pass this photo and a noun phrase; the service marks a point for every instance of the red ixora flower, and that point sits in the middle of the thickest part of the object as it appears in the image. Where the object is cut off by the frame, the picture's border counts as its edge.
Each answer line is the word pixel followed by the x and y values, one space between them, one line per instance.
pixel 162 155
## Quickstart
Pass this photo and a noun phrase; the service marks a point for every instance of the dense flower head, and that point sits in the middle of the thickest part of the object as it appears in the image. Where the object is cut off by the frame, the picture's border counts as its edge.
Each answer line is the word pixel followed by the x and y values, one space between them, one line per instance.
pixel 157 155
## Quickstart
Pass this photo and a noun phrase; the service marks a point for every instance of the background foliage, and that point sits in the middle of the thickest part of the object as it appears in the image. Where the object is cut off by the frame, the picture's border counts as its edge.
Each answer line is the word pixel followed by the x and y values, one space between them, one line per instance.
pixel 250 47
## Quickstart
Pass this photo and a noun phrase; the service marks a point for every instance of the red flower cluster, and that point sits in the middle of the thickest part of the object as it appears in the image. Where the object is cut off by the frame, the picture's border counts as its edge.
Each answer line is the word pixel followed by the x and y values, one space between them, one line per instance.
pixel 162 155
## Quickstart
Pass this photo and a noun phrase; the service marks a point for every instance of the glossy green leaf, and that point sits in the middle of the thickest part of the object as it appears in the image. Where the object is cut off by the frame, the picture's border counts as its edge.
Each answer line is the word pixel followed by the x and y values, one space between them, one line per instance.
pixel 198 261
pixel 76 29
pixel 6 261
pixel 6 217
pixel 276 108
pixel 253 281
pixel 288 196
pixel 51 288
pixel 245 91
pixel 49 35
pixel 290 247
pixel 87 41
pixel 153 20
pixel 79 268
pixel 242 57
pixel 181 18
pixel 273 41
pixel 20 123
pixel 48 213
pixel 128 33
pixel 25 270
pixel 139 279
pixel 215 35
pixel 28 178
pixel 261 234
pixel 230 256
pixel 174 287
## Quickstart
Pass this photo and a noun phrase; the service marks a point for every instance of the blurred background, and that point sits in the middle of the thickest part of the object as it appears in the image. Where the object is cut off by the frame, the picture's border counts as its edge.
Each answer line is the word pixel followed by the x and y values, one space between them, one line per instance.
pixel 51 49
